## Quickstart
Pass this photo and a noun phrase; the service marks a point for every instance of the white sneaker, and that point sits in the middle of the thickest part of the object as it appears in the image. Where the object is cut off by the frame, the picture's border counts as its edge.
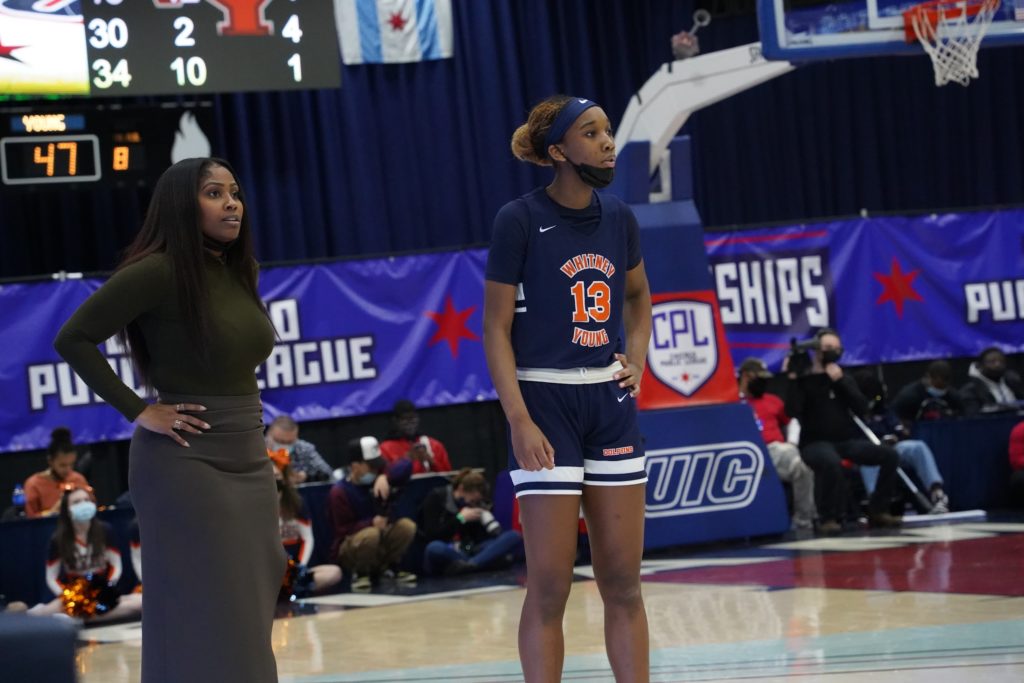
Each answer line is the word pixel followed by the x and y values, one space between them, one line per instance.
pixel 801 523
pixel 940 502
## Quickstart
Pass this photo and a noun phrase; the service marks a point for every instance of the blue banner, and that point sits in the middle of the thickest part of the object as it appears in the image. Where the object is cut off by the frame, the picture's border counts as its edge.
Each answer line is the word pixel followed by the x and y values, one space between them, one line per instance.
pixel 895 288
pixel 709 477
pixel 354 337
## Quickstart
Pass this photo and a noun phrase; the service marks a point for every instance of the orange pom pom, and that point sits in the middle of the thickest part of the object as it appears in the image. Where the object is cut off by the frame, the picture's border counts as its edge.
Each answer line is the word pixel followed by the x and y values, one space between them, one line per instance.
pixel 280 457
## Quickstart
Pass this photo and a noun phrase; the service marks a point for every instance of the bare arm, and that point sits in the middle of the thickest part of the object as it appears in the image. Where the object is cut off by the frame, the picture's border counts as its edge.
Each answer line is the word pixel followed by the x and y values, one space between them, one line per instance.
pixel 638 329
pixel 531 449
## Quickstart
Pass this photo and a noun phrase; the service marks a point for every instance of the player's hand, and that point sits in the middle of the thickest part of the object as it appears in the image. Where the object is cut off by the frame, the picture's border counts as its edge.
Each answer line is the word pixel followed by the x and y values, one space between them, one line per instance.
pixel 381 487
pixel 834 372
pixel 629 376
pixel 531 448
pixel 169 420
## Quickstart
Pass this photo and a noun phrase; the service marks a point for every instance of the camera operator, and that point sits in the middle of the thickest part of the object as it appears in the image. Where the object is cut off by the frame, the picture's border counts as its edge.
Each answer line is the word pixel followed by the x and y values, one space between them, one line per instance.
pixel 463 535
pixel 824 398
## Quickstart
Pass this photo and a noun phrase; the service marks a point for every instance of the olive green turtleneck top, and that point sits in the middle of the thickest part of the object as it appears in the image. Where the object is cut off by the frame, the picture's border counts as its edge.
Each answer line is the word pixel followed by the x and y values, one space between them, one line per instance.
pixel 240 337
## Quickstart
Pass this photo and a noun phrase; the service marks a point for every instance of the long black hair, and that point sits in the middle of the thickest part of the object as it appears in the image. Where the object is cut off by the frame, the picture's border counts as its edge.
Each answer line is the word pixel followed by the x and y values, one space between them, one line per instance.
pixel 64 535
pixel 172 227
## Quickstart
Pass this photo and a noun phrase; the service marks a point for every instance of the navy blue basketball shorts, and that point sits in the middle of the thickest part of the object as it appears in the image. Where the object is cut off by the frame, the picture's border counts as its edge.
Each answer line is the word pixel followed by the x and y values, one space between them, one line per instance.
pixel 593 429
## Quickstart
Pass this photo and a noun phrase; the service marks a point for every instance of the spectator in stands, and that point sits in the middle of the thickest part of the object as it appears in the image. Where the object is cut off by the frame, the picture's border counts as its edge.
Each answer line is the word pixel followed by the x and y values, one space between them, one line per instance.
pixel 44 490
pixel 306 464
pixel 462 534
pixel 771 417
pixel 82 550
pixel 930 398
pixel 426 453
pixel 825 399
pixel 297 537
pixel 1017 465
pixel 990 385
pixel 367 541
pixel 916 456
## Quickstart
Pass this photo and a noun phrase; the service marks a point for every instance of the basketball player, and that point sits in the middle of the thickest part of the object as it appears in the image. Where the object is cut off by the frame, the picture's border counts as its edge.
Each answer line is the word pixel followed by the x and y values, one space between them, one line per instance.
pixel 564 274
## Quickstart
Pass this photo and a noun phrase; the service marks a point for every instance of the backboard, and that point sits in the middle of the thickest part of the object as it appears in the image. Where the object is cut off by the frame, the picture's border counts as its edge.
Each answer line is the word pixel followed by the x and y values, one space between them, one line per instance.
pixel 808 30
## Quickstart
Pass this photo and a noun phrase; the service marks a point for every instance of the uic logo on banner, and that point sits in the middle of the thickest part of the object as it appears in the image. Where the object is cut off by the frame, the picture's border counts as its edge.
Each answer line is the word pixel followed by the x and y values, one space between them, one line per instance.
pixel 683 352
pixel 691 480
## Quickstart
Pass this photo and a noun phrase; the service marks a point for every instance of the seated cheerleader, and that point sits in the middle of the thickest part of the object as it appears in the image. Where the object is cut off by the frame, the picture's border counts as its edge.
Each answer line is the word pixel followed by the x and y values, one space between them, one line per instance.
pixel 84 566
pixel 300 579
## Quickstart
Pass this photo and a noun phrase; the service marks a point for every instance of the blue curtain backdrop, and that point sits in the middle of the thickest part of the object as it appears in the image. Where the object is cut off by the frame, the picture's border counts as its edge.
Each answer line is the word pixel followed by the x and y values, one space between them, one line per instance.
pixel 410 157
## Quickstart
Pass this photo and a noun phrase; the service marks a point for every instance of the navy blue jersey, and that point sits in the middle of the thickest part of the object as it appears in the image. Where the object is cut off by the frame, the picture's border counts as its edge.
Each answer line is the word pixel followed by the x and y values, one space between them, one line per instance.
pixel 569 267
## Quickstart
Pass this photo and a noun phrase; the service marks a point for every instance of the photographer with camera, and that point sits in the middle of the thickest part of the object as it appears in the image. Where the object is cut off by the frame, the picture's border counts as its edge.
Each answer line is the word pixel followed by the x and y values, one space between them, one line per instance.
pixel 463 535
pixel 824 399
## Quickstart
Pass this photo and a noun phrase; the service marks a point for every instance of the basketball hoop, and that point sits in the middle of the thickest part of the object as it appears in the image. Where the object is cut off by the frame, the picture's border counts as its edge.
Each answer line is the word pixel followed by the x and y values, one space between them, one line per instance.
pixel 950 32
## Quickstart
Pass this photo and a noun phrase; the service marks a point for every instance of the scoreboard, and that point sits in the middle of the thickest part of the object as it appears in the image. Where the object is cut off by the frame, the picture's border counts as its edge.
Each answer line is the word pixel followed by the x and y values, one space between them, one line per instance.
pixel 166 47
pixel 114 145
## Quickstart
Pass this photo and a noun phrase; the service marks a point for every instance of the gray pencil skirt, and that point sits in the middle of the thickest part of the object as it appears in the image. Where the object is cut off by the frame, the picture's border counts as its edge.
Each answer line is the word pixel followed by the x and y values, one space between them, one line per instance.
pixel 212 559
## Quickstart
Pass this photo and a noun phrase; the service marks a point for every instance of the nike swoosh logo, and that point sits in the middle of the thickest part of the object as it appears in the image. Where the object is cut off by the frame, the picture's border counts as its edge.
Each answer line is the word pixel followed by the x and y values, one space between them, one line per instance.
pixel 550 227
pixel 623 397
pixel 582 101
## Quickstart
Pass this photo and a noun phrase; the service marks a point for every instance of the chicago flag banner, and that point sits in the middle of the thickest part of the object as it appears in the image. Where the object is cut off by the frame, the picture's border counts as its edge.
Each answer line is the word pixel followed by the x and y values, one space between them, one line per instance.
pixel 393 31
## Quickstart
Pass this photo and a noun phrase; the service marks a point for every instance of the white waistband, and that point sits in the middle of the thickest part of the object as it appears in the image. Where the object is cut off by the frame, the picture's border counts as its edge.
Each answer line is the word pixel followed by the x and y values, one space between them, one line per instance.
pixel 569 375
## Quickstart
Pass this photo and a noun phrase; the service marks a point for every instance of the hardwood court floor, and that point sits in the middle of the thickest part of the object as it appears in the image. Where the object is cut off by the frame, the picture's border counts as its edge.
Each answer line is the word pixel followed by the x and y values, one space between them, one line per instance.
pixel 936 604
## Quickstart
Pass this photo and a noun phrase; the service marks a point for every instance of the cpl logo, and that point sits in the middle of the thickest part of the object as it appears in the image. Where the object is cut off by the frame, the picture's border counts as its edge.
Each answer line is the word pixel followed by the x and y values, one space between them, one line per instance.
pixel 691 480
pixel 683 353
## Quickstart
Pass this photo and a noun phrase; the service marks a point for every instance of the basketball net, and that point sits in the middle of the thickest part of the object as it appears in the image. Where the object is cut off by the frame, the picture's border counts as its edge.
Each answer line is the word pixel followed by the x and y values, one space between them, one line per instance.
pixel 951 33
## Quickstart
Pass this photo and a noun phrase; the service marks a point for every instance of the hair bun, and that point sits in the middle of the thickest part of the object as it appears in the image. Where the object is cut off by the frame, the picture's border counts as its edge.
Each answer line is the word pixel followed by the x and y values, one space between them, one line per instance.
pixel 60 435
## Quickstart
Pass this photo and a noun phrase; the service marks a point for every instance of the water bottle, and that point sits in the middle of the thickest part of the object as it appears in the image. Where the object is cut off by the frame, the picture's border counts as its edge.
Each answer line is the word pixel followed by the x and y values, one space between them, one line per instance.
pixel 18 500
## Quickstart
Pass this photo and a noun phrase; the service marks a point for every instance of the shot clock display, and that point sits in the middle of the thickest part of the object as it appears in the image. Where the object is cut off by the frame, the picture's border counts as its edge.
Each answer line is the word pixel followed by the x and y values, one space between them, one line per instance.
pixel 110 144
pixel 50 159
pixel 159 47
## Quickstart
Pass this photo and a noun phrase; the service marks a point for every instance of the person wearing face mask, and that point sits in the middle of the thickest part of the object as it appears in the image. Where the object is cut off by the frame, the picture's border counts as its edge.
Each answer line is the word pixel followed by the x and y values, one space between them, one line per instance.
pixel 772 420
pixel 990 385
pixel 83 547
pixel 930 398
pixel 825 401
pixel 305 463
pixel 367 541
pixel 462 534
pixel 426 453
pixel 567 322
pixel 916 456
pixel 44 490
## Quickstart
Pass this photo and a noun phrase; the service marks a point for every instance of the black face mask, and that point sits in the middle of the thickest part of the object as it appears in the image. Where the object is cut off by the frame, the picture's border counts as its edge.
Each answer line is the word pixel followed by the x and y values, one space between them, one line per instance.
pixel 831 356
pixel 597 177
pixel 994 374
pixel 756 387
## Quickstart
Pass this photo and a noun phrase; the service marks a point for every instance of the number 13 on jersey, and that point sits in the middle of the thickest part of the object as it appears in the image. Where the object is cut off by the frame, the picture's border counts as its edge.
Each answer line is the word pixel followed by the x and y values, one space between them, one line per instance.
pixel 591 302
